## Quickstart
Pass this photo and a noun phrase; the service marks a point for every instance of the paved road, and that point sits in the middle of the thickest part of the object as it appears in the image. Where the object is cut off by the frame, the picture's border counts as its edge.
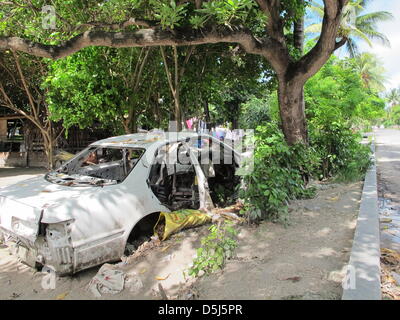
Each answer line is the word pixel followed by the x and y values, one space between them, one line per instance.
pixel 388 162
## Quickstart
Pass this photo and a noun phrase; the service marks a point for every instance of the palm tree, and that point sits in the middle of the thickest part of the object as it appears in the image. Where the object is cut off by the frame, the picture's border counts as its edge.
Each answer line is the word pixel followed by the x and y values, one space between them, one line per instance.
pixel 393 97
pixel 371 71
pixel 355 25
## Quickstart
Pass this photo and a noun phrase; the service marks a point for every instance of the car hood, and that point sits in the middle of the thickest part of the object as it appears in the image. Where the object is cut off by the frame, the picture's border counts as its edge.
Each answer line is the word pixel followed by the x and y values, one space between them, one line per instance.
pixel 39 193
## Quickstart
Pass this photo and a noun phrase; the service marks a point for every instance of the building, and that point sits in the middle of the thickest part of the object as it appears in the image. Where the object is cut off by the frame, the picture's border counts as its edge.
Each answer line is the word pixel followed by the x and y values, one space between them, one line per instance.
pixel 21 143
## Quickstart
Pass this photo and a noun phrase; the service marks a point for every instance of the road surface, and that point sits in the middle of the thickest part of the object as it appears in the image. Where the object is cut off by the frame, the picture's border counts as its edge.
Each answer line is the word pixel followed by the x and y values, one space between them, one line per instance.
pixel 388 165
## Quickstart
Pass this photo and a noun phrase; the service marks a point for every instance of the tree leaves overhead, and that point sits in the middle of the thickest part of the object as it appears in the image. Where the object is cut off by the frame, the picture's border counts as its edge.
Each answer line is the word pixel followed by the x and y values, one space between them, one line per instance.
pixel 25 18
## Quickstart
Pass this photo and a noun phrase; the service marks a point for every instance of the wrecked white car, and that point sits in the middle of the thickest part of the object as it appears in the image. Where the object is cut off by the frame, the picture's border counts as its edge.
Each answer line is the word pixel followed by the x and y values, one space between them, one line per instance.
pixel 87 211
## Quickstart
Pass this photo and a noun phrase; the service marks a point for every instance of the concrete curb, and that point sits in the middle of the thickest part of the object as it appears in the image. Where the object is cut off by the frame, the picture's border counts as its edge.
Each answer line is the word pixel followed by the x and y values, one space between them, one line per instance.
pixel 363 279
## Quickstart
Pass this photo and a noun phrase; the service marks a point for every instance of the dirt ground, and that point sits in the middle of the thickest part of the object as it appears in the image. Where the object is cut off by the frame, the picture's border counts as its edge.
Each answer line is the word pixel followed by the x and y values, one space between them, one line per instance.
pixel 302 261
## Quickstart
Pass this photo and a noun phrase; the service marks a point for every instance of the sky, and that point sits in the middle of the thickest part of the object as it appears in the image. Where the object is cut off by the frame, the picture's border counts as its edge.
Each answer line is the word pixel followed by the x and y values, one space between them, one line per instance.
pixel 389 56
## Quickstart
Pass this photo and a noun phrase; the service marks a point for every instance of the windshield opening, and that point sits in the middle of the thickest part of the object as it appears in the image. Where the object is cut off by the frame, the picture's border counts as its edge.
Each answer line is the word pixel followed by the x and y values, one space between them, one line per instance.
pixel 97 166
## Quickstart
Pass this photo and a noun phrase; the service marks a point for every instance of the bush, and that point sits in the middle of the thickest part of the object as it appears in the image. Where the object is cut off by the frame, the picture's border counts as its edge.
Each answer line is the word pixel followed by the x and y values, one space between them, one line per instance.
pixel 280 174
pixel 218 246
pixel 340 151
pixel 254 112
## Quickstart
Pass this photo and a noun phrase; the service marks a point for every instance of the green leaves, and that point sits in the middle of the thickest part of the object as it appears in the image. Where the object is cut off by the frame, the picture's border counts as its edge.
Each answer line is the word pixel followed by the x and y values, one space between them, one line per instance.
pixel 228 11
pixel 339 149
pixel 217 247
pixel 278 175
pixel 198 21
pixel 169 13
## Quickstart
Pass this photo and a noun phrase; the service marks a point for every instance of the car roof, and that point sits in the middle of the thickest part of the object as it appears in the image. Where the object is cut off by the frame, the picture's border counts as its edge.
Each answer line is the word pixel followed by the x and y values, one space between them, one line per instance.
pixel 145 140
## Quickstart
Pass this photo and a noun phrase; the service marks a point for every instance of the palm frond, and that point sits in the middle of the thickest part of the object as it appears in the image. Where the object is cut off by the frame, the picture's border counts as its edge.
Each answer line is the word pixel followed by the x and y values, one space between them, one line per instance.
pixel 352 48
pixel 372 34
pixel 313 28
pixel 375 17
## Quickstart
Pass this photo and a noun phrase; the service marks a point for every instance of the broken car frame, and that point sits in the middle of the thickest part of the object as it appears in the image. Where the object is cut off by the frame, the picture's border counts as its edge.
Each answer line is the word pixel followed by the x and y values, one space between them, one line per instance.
pixel 82 214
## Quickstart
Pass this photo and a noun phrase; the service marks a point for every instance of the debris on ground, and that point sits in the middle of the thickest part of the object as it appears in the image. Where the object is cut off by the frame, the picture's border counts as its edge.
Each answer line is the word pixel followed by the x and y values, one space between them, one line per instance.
pixel 293 279
pixel 162 292
pixel 111 280
pixel 62 296
pixel 143 249
pixel 390 265
pixel 133 282
pixel 108 280
pixel 175 221
pixel 235 209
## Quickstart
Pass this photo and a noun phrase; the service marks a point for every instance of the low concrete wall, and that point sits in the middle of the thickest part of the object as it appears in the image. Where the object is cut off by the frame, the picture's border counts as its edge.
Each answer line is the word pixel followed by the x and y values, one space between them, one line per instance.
pixel 18 159
pixel 364 275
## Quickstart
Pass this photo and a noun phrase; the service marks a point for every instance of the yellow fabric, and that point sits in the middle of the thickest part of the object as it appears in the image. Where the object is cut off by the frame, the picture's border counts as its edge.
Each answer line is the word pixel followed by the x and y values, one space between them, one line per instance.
pixel 177 220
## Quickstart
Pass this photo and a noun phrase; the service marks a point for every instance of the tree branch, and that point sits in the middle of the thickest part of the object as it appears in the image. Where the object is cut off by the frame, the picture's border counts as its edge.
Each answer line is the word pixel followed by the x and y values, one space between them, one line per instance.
pixel 140 38
pixel 189 53
pixel 121 25
pixel 169 76
pixel 341 43
pixel 309 64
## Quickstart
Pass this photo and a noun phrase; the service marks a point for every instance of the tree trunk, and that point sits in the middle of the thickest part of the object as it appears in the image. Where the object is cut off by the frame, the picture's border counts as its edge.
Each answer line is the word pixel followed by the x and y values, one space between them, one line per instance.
pixel 177 111
pixel 298 34
pixel 207 113
pixel 292 111
pixel 49 150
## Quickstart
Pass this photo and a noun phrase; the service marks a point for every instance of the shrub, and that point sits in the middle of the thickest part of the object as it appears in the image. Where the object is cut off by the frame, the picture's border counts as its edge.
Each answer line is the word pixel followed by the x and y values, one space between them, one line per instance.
pixel 341 153
pixel 254 112
pixel 217 246
pixel 280 174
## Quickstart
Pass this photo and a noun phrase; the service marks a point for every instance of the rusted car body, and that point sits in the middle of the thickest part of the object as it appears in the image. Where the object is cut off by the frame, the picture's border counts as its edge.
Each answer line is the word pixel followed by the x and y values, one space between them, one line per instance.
pixel 82 214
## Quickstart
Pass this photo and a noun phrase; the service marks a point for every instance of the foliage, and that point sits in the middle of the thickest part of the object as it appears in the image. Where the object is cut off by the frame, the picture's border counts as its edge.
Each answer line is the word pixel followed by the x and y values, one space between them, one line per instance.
pixel 393 116
pixel 217 247
pixel 337 91
pixel 341 153
pixel 76 15
pixel 170 14
pixel 82 89
pixel 254 112
pixel 105 85
pixel 371 70
pixel 338 105
pixel 20 92
pixel 279 174
pixel 393 97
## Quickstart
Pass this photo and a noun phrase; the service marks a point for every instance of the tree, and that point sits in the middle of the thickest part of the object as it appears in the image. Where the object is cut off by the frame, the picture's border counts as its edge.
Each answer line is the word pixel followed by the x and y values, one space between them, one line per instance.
pixel 338 92
pixel 174 81
pixel 371 71
pixel 356 26
pixel 20 92
pixel 102 84
pixel 393 97
pixel 258 26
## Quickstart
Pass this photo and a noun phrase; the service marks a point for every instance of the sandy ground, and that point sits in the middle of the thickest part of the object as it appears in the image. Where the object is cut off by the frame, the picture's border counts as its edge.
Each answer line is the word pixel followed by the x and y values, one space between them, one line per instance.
pixel 302 261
